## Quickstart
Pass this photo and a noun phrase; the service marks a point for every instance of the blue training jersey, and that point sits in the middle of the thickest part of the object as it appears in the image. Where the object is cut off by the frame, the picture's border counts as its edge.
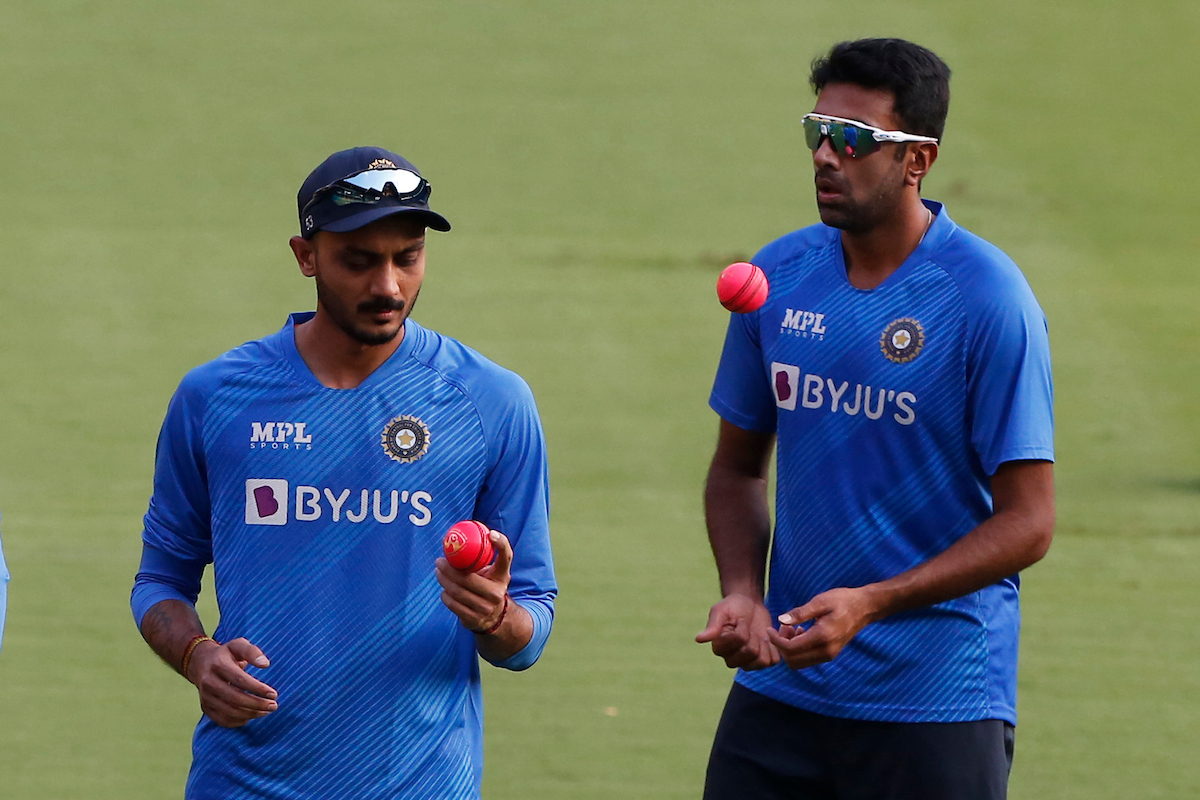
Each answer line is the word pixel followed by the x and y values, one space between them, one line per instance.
pixel 322 511
pixel 891 407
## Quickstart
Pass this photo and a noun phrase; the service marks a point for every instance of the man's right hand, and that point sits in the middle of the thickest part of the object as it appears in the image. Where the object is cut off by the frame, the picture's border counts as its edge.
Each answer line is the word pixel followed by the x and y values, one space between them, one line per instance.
pixel 737 629
pixel 228 695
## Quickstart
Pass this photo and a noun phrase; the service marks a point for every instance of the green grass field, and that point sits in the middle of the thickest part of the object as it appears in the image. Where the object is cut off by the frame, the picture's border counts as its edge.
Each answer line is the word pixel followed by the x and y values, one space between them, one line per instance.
pixel 600 163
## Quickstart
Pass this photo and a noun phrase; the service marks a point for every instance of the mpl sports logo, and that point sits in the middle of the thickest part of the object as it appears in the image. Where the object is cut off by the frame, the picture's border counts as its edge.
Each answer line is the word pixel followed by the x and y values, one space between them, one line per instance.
pixel 268 501
pixel 280 436
pixel 792 388
pixel 805 324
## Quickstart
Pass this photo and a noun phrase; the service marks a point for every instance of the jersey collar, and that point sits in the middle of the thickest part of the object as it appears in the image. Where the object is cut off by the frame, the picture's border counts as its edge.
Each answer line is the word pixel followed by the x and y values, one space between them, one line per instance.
pixel 287 342
pixel 937 235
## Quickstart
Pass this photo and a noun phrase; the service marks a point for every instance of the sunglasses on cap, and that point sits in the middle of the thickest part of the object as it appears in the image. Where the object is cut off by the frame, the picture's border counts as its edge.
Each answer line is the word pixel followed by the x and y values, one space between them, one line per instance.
pixel 371 186
pixel 850 137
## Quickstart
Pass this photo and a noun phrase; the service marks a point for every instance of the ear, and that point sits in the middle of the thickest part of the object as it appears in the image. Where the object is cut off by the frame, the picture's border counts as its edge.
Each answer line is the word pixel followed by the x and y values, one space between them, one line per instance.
pixel 920 160
pixel 306 255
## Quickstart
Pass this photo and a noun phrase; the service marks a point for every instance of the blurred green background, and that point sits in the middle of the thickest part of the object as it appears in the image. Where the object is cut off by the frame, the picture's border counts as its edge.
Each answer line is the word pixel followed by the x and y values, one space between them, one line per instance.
pixel 600 163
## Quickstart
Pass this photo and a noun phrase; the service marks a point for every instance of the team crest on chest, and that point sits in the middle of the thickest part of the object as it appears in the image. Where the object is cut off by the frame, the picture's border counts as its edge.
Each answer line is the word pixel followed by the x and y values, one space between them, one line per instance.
pixel 902 340
pixel 405 439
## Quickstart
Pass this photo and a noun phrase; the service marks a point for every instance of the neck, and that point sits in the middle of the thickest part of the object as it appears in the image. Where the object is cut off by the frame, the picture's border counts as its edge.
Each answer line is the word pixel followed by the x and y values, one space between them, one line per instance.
pixel 336 359
pixel 871 256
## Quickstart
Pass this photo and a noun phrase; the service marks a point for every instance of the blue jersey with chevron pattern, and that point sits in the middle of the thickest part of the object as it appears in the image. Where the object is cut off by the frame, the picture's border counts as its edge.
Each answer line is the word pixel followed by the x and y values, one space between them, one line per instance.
pixel 322 512
pixel 891 407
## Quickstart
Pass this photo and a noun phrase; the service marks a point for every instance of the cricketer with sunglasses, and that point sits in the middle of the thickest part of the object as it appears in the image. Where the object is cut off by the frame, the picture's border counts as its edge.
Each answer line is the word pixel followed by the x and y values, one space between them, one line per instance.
pixel 318 469
pixel 901 368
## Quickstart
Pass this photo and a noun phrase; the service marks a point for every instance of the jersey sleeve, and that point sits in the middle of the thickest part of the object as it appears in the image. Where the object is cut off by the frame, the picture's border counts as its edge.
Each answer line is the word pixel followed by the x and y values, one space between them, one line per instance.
pixel 1010 392
pixel 3 593
pixel 741 392
pixel 515 500
pixel 177 533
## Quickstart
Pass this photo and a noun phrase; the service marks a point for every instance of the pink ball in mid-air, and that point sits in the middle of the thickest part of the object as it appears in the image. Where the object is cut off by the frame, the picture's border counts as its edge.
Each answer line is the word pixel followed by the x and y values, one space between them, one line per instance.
pixel 468 546
pixel 742 287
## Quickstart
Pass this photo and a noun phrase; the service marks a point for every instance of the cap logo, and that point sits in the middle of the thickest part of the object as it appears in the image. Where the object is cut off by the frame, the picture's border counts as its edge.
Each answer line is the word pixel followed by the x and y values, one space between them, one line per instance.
pixel 382 163
pixel 308 223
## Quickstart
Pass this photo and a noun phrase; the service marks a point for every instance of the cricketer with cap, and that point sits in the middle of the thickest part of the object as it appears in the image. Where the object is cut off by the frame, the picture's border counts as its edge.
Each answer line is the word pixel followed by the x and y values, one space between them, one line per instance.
pixel 901 366
pixel 318 469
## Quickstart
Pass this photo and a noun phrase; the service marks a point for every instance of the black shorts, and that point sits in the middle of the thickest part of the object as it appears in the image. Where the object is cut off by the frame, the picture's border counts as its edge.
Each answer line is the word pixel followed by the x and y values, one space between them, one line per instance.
pixel 767 750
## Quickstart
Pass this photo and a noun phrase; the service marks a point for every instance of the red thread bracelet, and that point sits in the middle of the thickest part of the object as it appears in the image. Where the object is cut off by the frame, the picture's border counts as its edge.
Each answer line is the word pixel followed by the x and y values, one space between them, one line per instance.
pixel 499 622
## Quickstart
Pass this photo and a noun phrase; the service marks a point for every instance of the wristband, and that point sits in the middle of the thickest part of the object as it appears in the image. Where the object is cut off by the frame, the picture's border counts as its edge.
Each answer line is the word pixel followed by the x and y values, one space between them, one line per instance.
pixel 191 648
pixel 499 622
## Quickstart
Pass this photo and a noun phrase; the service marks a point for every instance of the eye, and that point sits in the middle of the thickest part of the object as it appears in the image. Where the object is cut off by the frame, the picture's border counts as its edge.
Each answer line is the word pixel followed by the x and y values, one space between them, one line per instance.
pixel 356 263
pixel 408 258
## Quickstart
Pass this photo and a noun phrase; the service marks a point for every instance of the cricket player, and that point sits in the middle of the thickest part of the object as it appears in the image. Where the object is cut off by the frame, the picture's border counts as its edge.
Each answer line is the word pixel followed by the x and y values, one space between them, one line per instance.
pixel 901 368
pixel 318 470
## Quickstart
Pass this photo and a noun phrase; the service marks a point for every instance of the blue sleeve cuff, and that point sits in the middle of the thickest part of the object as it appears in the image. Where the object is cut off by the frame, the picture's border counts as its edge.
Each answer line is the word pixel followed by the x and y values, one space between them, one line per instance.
pixel 541 610
pixel 163 576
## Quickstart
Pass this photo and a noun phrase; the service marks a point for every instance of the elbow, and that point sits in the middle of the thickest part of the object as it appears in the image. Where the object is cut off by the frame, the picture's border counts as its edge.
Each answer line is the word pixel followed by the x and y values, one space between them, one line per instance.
pixel 520 662
pixel 541 615
pixel 1041 534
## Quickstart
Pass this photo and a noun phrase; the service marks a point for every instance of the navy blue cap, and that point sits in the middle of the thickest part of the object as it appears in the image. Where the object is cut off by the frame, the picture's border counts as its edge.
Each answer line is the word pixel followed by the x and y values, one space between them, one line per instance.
pixel 327 215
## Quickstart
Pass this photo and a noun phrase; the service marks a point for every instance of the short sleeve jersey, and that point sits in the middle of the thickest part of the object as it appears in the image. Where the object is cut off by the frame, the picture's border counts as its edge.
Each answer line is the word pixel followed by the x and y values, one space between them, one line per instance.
pixel 323 512
pixel 892 407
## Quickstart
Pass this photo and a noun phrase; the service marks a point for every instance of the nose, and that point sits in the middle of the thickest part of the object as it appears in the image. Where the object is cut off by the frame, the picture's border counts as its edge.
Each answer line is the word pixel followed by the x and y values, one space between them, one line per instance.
pixel 826 156
pixel 386 281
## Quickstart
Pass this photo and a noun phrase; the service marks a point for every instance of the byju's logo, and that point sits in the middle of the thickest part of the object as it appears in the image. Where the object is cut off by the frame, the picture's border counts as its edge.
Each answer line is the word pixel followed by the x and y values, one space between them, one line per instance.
pixel 266 502
pixel 803 323
pixel 785 380
pixel 280 436
pixel 811 392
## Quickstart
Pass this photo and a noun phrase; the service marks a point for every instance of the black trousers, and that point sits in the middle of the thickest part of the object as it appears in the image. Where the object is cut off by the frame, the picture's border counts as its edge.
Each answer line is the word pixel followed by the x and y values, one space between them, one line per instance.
pixel 767 750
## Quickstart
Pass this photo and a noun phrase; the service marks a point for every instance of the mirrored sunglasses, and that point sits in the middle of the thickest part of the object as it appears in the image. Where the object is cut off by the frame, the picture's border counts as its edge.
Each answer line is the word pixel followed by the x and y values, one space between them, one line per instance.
pixel 373 185
pixel 850 137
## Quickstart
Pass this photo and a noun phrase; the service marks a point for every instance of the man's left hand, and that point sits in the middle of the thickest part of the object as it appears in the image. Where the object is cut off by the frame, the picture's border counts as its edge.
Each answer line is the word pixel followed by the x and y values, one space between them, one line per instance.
pixel 836 616
pixel 477 598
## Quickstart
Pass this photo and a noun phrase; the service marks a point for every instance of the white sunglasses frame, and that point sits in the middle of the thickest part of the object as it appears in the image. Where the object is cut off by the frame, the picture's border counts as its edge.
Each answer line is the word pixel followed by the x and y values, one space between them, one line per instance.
pixel 878 134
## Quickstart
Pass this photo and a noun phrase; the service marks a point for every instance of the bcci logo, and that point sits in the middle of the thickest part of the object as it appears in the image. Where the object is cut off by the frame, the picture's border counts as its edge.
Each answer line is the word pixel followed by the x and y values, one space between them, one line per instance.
pixel 382 163
pixel 902 340
pixel 405 439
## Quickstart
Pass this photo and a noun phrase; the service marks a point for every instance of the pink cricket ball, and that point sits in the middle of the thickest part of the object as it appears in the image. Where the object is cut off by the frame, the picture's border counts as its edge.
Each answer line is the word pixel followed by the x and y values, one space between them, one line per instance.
pixel 468 546
pixel 742 287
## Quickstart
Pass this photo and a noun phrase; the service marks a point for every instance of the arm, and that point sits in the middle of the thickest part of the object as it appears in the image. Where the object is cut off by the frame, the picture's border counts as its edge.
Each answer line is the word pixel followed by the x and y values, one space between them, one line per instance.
pixel 739 530
pixel 176 546
pixel 514 498
pixel 163 600
pixel 1016 536
pixel 3 594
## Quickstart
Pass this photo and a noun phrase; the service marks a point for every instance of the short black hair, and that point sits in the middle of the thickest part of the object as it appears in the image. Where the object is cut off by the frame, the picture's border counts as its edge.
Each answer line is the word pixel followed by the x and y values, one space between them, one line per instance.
pixel 918 80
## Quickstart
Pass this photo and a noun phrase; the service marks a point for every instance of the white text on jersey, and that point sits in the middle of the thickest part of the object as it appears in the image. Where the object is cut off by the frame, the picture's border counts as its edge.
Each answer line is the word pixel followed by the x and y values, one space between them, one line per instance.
pixel 280 436
pixel 812 391
pixel 803 323
pixel 267 504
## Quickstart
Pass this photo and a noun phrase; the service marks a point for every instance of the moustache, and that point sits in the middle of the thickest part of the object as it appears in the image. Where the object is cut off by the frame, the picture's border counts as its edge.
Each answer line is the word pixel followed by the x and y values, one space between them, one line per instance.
pixel 382 304
pixel 829 177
